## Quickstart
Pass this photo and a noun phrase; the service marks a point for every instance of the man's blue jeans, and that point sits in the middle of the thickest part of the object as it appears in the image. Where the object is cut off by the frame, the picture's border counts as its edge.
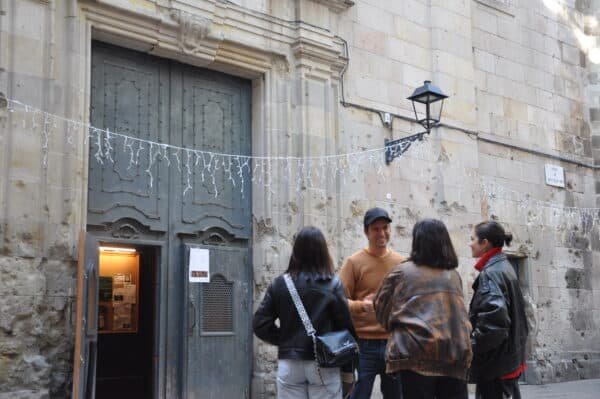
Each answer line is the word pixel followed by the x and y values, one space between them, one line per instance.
pixel 371 361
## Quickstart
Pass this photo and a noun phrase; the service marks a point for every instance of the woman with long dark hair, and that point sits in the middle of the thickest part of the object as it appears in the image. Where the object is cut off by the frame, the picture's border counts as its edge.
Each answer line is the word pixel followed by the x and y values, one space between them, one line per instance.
pixel 322 294
pixel 497 313
pixel 421 304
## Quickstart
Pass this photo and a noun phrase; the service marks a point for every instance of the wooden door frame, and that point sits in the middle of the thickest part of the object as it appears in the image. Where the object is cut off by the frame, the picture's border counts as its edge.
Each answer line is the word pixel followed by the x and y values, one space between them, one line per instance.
pixel 158 311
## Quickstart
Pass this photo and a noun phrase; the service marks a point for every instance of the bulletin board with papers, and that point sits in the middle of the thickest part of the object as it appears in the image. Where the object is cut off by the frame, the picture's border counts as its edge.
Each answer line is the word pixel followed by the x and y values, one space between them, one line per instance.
pixel 119 293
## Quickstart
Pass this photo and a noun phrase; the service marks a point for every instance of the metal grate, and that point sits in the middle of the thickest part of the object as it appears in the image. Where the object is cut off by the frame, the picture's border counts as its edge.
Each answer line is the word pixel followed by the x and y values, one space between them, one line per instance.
pixel 217 305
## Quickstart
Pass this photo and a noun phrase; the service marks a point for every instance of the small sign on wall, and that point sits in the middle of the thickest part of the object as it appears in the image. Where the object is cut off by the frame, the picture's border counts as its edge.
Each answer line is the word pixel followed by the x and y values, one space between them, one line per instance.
pixel 555 176
pixel 199 265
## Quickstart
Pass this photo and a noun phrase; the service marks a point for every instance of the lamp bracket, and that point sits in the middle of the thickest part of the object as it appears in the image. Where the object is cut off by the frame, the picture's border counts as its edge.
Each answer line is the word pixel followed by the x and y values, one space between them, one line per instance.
pixel 395 148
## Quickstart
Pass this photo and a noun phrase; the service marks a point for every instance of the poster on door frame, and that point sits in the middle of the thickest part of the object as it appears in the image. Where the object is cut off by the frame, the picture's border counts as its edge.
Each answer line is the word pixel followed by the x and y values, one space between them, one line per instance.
pixel 199 265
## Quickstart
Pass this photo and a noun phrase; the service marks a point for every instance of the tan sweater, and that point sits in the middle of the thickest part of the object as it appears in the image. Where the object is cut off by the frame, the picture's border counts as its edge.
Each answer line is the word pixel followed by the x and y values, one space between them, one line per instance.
pixel 362 274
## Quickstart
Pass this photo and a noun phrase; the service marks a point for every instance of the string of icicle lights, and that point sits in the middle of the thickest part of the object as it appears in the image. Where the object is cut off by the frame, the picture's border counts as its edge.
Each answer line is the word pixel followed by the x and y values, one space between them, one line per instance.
pixel 142 157
pixel 107 146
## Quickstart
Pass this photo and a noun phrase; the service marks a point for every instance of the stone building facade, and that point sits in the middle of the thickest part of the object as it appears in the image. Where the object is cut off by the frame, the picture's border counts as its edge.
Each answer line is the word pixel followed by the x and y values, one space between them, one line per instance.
pixel 522 77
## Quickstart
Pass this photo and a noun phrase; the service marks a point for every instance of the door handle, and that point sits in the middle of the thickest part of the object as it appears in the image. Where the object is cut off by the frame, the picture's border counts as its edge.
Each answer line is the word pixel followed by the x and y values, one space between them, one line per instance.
pixel 191 317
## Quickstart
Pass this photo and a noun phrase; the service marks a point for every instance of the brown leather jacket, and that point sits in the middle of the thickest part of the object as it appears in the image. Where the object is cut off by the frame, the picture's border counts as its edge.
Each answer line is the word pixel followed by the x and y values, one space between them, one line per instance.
pixel 424 310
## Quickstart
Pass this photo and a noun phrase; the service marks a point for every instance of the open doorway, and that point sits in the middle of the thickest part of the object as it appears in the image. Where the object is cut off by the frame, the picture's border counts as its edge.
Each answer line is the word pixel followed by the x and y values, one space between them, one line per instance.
pixel 126 321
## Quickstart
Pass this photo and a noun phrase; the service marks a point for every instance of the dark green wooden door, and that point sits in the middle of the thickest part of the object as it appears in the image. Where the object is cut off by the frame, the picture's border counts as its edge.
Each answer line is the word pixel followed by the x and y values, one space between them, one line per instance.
pixel 168 102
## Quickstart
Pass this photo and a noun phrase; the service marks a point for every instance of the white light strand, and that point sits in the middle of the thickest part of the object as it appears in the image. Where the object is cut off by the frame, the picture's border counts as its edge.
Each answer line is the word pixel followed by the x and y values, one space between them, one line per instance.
pixel 312 172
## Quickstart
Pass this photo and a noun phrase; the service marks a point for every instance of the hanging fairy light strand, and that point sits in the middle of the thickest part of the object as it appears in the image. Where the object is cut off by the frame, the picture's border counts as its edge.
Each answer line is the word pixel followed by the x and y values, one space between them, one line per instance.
pixel 210 167
pixel 221 171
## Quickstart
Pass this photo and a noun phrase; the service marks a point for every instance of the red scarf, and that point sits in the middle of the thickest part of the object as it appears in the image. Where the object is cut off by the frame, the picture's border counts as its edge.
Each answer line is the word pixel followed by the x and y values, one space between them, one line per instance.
pixel 487 256
pixel 479 266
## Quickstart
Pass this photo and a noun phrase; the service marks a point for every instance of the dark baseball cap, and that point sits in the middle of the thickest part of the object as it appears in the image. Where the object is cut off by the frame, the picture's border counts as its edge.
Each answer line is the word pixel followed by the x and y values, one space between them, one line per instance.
pixel 374 214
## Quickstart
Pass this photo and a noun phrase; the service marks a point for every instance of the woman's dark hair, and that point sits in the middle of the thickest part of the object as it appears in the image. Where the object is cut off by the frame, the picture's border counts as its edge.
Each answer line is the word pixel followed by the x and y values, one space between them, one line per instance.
pixel 432 245
pixel 493 232
pixel 310 254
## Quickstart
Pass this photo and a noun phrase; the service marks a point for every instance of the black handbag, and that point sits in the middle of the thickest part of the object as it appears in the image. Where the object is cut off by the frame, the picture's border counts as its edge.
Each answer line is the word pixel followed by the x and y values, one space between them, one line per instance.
pixel 332 349
pixel 335 349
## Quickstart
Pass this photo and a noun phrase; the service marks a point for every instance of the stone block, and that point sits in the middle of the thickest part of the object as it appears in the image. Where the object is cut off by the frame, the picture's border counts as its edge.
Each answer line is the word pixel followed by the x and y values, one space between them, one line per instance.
pixel 20 277
pixel 462 110
pixel 480 80
pixel 457 45
pixel 545 99
pixel 572 90
pixel 452 64
pixel 409 31
pixel 484 122
pixel 538 79
pixel 484 61
pixel 488 164
pixel 372 89
pixel 484 20
pixel 535 39
pixel 369 39
pixel 30 55
pixel 569 53
pixel 509 29
pixel 446 18
pixel 409 53
pixel 510 70
pixel 414 76
pixel 24 15
pixel 416 12
pixel 375 18
pixel 458 6
pixel 515 109
pixel 543 61
pixel 498 85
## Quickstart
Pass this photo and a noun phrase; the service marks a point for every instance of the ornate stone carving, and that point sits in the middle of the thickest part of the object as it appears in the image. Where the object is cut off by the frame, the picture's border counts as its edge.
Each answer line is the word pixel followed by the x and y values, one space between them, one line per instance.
pixel 193 30
pixel 128 229
pixel 212 236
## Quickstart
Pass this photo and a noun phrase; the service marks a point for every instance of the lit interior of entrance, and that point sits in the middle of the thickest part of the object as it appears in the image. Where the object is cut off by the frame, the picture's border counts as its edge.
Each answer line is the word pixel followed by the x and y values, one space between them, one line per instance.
pixel 126 318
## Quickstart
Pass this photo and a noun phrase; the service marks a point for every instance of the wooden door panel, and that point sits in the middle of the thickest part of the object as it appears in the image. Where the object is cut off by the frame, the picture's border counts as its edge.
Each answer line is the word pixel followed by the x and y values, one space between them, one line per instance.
pixel 129 96
pixel 217 119
pixel 219 343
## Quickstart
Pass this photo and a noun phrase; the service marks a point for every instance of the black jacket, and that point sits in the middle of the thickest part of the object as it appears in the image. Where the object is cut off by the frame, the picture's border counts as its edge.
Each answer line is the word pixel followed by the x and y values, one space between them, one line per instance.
pixel 497 314
pixel 325 302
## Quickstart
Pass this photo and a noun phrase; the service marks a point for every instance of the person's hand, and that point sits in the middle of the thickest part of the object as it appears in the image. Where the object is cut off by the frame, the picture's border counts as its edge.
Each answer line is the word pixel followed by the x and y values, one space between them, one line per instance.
pixel 367 304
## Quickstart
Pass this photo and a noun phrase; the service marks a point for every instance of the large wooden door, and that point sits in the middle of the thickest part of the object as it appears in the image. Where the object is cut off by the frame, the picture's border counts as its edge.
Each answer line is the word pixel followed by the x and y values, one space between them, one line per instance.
pixel 216 311
pixel 168 102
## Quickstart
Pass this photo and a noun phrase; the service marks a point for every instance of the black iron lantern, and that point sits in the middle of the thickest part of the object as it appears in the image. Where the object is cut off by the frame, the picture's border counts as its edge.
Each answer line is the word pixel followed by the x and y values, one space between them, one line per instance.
pixel 428 100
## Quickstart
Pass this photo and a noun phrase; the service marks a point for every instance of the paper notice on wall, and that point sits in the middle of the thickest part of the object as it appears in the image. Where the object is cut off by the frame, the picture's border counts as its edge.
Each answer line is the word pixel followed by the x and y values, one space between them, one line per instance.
pixel 125 294
pixel 199 265
pixel 122 316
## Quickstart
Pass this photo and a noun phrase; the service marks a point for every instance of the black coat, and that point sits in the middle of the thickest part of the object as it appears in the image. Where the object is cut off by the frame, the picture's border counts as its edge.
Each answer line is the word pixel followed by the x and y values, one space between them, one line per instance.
pixel 325 302
pixel 497 314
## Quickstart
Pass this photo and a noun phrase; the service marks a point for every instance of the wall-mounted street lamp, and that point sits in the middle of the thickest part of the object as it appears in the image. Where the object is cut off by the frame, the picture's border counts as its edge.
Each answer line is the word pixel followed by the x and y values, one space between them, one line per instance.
pixel 427 101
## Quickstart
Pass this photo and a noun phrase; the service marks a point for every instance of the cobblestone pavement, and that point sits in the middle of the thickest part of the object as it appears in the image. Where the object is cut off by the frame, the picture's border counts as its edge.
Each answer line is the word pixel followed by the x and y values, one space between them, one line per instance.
pixel 582 389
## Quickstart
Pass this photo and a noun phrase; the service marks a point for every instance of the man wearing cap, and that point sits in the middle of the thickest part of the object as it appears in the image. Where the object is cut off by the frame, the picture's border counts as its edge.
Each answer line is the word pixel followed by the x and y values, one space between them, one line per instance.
pixel 362 274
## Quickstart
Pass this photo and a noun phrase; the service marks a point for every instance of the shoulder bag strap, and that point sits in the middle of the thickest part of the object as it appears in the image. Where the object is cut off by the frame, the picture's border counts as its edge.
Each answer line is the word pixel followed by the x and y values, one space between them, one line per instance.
pixel 310 330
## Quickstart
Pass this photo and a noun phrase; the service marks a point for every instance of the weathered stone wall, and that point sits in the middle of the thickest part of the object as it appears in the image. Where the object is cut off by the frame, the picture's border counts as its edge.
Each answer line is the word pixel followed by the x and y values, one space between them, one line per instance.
pixel 41 201
pixel 523 86
pixel 530 60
